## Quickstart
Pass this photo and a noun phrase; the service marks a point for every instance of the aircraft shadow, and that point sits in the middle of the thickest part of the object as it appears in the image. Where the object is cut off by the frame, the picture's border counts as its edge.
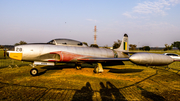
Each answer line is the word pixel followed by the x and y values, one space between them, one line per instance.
pixel 47 68
pixel 85 65
pixel 41 73
pixel 61 67
pixel 113 63
pixel 53 67
pixel 125 70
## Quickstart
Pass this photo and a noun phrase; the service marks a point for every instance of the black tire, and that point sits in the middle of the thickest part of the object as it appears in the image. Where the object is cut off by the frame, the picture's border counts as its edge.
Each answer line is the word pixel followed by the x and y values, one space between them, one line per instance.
pixel 34 72
pixel 95 70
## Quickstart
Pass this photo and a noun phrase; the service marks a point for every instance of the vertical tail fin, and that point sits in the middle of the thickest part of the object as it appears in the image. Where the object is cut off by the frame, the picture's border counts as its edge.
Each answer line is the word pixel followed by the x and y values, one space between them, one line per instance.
pixel 124 44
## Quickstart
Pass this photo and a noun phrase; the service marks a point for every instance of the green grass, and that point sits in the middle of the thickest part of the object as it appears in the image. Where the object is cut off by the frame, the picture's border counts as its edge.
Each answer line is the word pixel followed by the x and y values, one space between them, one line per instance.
pixel 129 80
pixel 1 54
pixel 17 83
pixel 6 61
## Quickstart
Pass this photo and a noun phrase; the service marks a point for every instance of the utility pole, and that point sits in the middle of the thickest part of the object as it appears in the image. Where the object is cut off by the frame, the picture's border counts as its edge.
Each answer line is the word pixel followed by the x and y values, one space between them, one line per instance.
pixel 95 42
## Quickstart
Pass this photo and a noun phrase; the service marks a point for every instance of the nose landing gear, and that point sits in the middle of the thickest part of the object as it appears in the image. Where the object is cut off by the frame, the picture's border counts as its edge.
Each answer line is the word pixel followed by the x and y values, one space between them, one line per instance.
pixel 34 72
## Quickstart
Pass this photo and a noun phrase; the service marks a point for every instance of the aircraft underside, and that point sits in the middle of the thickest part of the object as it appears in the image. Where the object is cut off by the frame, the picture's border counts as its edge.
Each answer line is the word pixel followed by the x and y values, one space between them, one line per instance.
pixel 98 68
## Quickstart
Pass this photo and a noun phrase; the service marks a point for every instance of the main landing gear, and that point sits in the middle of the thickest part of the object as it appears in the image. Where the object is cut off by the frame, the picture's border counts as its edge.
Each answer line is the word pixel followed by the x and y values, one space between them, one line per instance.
pixel 78 66
pixel 98 68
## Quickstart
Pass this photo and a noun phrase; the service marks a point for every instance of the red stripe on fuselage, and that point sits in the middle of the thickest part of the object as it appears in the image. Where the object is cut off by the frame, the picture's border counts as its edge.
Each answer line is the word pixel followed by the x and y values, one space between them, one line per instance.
pixel 52 60
pixel 67 56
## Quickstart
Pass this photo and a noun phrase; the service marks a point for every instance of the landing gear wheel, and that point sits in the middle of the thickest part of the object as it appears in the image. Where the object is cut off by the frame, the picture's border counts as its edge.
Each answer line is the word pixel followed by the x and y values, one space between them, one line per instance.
pixel 34 72
pixel 78 67
pixel 98 68
pixel 95 69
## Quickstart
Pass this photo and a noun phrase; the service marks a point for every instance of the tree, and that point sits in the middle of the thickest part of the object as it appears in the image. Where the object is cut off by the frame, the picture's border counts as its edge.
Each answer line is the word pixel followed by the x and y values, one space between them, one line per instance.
pixel 176 44
pixel 20 43
pixel 106 47
pixel 85 43
pixel 140 48
pixel 167 47
pixel 94 45
pixel 146 48
pixel 116 44
pixel 1 46
pixel 132 47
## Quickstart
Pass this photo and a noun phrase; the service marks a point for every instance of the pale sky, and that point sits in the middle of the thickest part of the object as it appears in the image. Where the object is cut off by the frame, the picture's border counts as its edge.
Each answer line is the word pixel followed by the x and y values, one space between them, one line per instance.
pixel 147 22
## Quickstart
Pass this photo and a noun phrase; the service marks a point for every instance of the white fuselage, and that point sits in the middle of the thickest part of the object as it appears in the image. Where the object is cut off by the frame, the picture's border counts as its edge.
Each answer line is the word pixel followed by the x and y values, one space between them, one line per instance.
pixel 41 52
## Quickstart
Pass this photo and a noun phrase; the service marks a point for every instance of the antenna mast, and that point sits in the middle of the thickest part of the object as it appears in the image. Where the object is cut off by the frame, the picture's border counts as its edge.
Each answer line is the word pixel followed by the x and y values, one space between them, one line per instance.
pixel 95 35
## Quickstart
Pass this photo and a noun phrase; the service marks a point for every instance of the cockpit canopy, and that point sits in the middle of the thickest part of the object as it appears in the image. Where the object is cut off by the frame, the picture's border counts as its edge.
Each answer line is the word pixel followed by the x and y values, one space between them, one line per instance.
pixel 65 42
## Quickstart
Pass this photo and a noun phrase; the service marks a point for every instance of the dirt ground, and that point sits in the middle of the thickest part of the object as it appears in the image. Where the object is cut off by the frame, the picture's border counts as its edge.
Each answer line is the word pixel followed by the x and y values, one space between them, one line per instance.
pixel 119 82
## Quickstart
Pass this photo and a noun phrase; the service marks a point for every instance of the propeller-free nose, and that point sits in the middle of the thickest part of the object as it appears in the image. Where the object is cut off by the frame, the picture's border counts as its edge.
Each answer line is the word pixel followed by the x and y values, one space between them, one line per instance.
pixel 15 55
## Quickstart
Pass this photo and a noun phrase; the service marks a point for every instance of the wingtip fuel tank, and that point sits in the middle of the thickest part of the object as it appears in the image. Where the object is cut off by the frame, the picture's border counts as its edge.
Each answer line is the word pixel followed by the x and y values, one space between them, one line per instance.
pixel 150 59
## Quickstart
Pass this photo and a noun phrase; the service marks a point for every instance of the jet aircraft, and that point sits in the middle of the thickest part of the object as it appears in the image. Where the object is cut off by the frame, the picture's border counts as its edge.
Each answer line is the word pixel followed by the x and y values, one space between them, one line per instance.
pixel 67 50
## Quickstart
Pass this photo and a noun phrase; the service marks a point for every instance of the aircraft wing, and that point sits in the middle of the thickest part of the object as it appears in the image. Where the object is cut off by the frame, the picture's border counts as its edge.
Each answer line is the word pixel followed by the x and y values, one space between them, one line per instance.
pixel 99 59
pixel 131 52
